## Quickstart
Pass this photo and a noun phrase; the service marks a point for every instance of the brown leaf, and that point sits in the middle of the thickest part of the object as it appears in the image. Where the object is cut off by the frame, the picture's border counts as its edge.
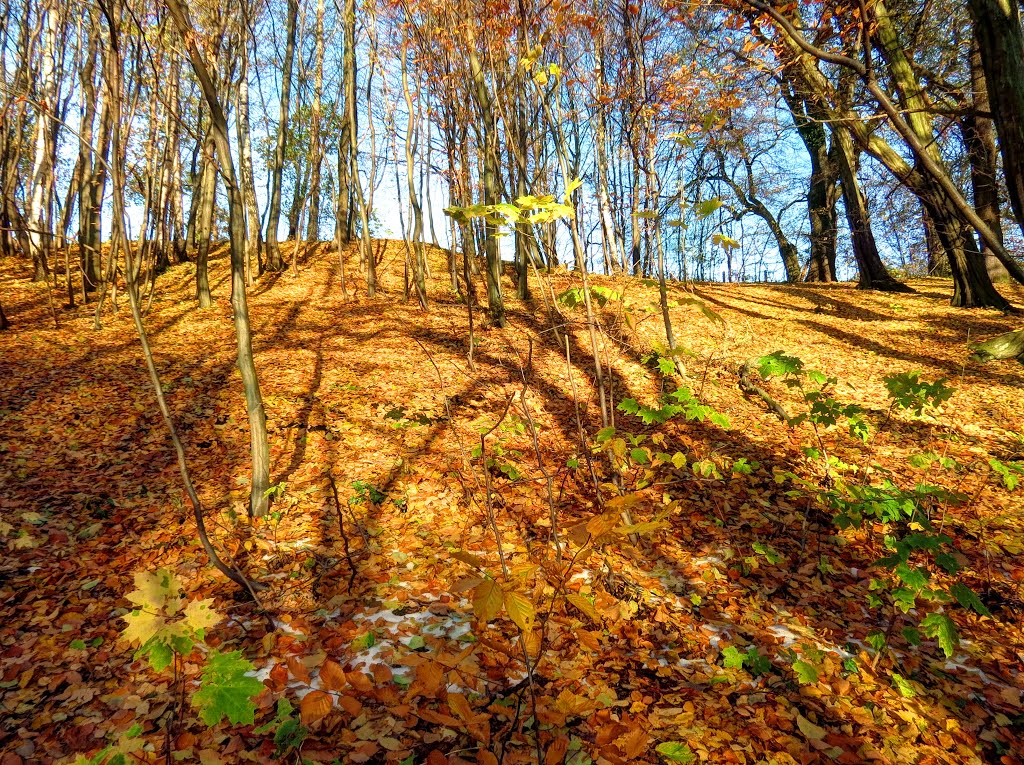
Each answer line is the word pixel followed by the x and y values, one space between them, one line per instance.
pixel 315 706
pixel 460 707
pixel 299 670
pixel 332 676
pixel 555 755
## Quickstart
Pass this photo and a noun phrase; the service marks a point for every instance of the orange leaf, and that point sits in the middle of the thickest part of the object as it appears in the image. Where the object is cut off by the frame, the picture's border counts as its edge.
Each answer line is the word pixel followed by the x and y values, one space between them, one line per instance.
pixel 350 705
pixel 359 681
pixel 460 706
pixel 634 743
pixel 315 706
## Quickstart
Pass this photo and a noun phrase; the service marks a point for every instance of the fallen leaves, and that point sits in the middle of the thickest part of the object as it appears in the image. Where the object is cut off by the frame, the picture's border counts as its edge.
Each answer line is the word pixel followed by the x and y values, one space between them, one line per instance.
pixel 417 659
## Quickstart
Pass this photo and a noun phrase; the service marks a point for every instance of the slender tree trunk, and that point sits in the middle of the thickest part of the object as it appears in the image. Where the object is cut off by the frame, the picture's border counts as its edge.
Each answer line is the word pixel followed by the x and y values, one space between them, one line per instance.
pixel 411 138
pixel 204 229
pixel 316 151
pixel 274 260
pixel 260 452
pixel 495 302
pixel 42 164
pixel 253 230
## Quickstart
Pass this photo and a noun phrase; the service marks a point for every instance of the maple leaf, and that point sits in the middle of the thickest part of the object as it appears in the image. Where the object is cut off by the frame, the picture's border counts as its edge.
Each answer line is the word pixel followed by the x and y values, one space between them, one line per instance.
pixel 226 690
pixel 157 589
pixel 143 626
pixel 199 615
pixel 942 628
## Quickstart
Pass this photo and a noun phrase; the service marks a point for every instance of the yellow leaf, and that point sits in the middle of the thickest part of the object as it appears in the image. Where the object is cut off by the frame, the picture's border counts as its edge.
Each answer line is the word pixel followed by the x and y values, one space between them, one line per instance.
pixel 623 502
pixel 142 625
pixel 809 729
pixel 487 600
pixel 585 606
pixel 199 614
pixel 157 589
pixel 520 610
pixel 466 557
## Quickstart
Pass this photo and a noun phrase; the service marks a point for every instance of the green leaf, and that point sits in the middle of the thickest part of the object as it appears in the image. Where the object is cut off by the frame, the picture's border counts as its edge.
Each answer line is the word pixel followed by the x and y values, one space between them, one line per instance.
pixel 806 673
pixel 903 686
pixel 78 645
pixel 732 658
pixel 942 628
pixel 640 456
pixel 160 654
pixel 675 751
pixel 967 598
pixel 778 364
pixel 876 640
pixel 226 690
pixel 705 209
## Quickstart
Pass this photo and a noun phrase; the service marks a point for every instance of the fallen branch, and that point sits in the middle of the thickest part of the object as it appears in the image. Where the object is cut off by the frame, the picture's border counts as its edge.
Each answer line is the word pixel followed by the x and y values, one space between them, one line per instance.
pixel 751 388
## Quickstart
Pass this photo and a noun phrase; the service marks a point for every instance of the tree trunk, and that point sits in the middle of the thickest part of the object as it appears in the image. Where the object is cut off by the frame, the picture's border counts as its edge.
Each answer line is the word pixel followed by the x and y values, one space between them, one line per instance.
pixel 260 452
pixel 274 260
pixel 316 151
pixel 980 141
pixel 253 230
pixel 204 228
pixel 997 30
pixel 872 273
pixel 495 303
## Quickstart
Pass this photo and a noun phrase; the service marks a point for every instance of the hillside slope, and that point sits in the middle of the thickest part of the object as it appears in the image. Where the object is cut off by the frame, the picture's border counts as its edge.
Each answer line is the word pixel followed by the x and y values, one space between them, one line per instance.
pixel 734 624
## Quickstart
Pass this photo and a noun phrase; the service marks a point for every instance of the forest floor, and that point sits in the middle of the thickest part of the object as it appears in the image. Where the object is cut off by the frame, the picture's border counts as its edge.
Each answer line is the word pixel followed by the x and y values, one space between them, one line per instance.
pixel 732 625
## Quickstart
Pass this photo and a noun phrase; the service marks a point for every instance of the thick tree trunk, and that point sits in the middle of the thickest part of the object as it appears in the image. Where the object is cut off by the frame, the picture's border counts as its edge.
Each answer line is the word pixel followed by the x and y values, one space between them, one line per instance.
pixel 980 140
pixel 997 29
